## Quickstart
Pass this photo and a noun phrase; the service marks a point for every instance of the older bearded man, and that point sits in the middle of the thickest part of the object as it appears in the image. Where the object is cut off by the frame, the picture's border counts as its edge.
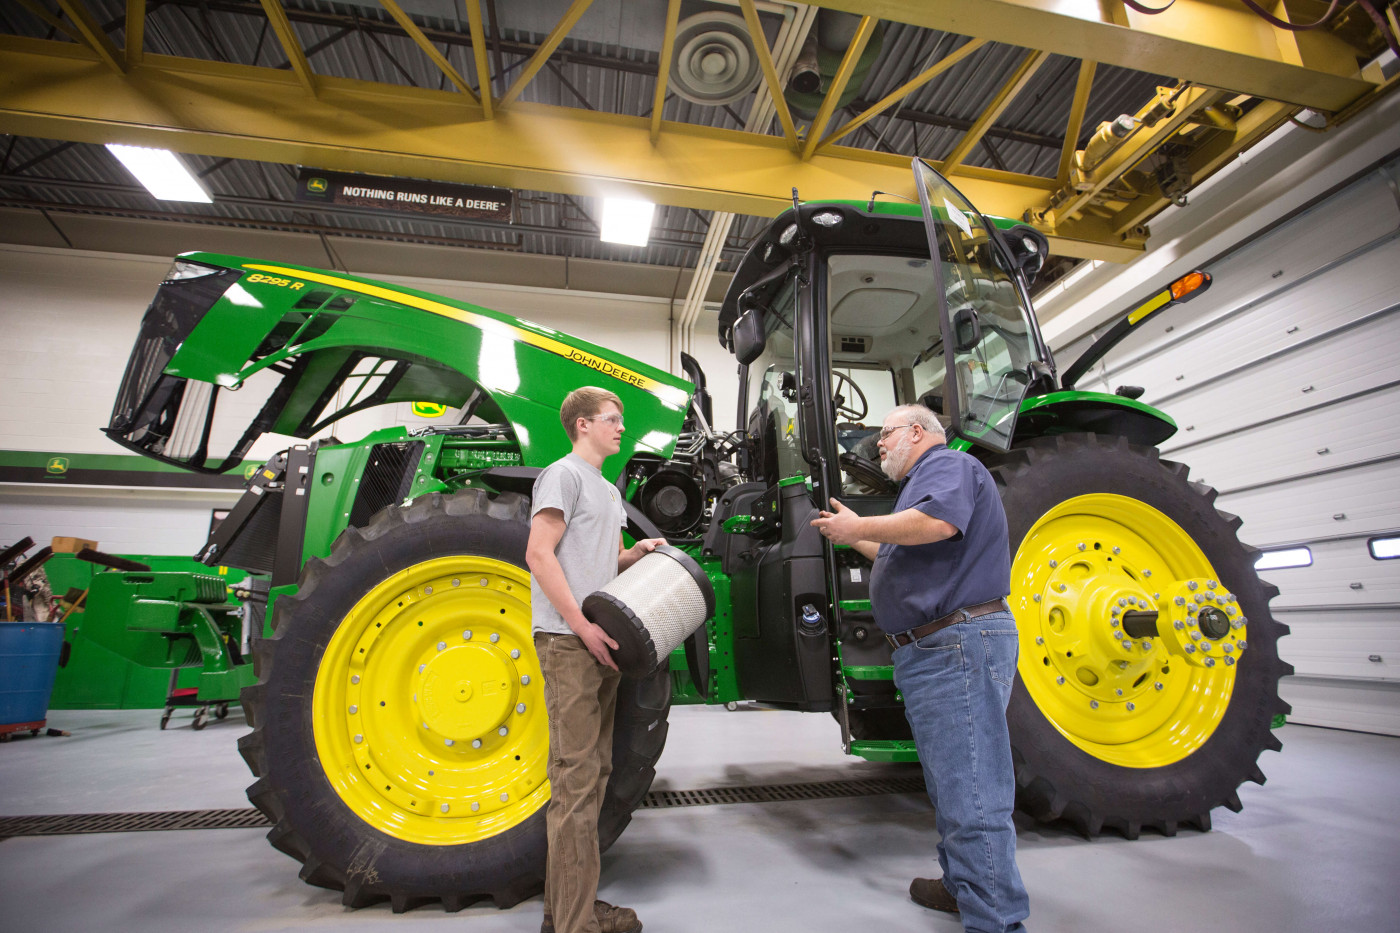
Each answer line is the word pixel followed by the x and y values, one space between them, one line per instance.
pixel 938 590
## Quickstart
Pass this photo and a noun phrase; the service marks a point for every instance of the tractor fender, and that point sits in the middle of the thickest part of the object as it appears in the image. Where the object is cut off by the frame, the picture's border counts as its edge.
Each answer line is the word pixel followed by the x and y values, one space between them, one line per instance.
pixel 1074 412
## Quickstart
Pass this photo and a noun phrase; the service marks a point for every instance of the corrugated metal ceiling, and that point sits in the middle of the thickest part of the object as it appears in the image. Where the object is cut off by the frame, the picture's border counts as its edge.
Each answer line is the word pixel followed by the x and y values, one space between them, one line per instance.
pixel 588 71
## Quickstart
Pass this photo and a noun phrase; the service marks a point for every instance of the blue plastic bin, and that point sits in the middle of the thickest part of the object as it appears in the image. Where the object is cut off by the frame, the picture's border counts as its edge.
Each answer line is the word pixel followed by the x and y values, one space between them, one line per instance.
pixel 28 665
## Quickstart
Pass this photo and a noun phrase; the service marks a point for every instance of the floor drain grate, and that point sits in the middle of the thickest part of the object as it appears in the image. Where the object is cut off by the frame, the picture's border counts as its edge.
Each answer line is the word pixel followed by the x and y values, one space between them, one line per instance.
pixel 78 823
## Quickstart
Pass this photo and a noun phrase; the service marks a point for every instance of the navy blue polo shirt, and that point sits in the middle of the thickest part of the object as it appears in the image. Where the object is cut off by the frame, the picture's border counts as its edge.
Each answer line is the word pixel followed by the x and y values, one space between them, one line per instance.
pixel 914 584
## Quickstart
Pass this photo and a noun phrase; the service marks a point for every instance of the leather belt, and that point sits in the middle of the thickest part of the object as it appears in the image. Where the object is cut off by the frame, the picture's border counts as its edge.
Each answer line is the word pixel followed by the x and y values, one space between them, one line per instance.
pixel 937 625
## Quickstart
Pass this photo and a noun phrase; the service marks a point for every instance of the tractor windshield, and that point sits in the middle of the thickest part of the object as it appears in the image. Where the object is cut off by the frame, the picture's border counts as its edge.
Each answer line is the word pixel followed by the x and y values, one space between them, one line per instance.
pixel 987 341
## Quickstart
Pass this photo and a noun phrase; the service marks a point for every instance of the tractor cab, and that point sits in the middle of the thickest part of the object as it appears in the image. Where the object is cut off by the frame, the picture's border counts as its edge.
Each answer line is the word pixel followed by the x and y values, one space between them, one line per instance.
pixel 836 316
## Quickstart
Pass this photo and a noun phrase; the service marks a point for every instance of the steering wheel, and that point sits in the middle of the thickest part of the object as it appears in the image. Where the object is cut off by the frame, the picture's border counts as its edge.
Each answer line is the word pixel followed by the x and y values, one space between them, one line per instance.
pixel 838 379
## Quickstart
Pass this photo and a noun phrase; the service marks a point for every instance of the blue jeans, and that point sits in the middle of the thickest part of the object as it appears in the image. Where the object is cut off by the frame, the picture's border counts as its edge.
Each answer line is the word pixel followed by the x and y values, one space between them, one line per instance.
pixel 956 684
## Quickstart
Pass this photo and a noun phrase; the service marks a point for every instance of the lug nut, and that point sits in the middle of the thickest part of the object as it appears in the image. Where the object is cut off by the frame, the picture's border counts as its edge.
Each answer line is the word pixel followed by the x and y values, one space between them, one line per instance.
pixel 442 646
pixel 427 591
pixel 1180 601
pixel 1039 640
pixel 1115 622
pixel 1147 573
pixel 1242 644
pixel 354 678
pixel 1118 692
pixel 495 637
pixel 1195 635
pixel 1060 680
pixel 1190 649
pixel 1118 634
pixel 502 731
pixel 1210 584
pixel 1063 587
pixel 1131 707
pixel 476 743
pixel 1081 545
pixel 1122 601
pixel 420 668
pixel 1229 662
pixel 1157 685
pixel 456 581
pixel 1093 704
pixel 525 680
pixel 1054 564
pixel 1227 647
pixel 1127 644
pixel 475 806
pixel 1210 662
pixel 1191 585
pixel 515 653
pixel 448 742
pixel 1117 550
pixel 1178 625
pixel 485 582
pixel 466 634
pixel 1147 645
pixel 445 808
pixel 1036 598
pixel 359 738
pixel 505 797
pixel 354 709
pixel 520 707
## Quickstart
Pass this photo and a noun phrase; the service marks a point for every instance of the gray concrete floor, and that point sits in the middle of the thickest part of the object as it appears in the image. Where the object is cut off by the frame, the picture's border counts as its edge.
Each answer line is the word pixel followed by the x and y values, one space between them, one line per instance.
pixel 1316 849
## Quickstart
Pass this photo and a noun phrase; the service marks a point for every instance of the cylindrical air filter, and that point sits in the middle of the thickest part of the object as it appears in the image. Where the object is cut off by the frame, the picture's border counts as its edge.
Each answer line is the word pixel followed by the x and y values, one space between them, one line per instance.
pixel 651 607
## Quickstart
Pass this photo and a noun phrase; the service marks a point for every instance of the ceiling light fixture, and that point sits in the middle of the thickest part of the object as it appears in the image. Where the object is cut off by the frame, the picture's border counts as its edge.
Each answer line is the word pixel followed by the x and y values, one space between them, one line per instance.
pixel 626 221
pixel 163 175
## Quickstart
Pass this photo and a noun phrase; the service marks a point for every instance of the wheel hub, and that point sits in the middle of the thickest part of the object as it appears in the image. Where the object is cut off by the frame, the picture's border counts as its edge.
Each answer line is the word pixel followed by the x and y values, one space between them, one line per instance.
pixel 467 691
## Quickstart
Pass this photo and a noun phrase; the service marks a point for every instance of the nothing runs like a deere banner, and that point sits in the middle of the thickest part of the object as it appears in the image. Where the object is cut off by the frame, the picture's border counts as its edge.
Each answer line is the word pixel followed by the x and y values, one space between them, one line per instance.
pixel 404 195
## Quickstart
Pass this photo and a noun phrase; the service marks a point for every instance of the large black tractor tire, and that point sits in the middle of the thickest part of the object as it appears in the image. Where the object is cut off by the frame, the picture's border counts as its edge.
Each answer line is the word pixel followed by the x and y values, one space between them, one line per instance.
pixel 431 598
pixel 1181 736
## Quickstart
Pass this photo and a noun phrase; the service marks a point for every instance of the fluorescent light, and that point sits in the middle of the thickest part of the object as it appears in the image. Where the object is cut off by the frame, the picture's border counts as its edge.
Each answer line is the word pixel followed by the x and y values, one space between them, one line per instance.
pixel 163 175
pixel 1284 558
pixel 626 221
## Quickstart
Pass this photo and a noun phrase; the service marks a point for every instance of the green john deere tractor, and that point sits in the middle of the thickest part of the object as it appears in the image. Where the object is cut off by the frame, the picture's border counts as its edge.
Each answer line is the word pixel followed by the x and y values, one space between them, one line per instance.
pixel 399 733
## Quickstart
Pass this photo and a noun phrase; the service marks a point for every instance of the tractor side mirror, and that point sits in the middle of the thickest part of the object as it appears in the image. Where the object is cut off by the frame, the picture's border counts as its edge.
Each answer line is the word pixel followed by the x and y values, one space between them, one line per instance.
pixel 749 338
pixel 1029 250
pixel 967 330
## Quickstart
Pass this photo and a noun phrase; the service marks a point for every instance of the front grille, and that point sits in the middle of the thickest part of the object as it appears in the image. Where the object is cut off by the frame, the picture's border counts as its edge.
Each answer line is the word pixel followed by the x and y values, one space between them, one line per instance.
pixel 254 547
pixel 179 305
pixel 386 480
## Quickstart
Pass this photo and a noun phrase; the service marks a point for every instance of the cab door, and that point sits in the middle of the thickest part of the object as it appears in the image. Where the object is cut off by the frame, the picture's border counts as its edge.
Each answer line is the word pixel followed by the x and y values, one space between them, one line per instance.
pixel 991 343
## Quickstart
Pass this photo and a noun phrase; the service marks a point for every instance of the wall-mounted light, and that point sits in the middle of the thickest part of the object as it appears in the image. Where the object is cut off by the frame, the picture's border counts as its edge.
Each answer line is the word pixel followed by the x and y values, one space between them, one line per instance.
pixel 626 221
pixel 163 175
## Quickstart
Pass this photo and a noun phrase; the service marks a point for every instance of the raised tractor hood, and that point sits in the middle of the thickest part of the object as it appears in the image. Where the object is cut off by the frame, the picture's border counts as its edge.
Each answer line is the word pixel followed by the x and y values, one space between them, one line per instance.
pixel 233 348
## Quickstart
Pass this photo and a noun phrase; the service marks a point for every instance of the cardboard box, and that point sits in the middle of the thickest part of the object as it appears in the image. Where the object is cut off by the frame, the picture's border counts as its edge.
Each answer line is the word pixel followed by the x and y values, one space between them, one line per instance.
pixel 72 545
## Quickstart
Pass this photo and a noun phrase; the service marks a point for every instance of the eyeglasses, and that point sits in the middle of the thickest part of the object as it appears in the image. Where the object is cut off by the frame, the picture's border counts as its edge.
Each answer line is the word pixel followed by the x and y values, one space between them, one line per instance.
pixel 614 420
pixel 886 432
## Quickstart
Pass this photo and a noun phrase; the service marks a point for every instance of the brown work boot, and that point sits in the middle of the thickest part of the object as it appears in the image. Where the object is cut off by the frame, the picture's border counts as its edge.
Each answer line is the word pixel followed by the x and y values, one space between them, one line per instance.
pixel 929 892
pixel 610 919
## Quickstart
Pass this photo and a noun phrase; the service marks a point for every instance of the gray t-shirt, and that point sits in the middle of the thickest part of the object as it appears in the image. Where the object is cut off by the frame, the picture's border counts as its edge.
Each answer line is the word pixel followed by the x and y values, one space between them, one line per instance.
pixel 593 518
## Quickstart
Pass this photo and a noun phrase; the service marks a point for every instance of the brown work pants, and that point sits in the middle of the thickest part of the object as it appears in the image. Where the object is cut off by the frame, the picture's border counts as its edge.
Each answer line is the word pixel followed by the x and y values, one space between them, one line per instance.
pixel 580 696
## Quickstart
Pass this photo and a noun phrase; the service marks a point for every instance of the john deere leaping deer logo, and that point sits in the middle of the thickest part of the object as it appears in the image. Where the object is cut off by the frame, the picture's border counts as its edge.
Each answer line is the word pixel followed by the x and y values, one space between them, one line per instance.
pixel 317 185
pixel 57 465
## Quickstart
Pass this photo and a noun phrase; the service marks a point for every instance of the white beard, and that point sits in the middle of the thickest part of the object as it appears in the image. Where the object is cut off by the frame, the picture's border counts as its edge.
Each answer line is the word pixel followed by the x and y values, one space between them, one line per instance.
pixel 896 462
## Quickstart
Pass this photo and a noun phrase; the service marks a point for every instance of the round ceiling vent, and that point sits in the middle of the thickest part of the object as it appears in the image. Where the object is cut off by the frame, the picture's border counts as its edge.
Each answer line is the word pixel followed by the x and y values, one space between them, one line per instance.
pixel 714 61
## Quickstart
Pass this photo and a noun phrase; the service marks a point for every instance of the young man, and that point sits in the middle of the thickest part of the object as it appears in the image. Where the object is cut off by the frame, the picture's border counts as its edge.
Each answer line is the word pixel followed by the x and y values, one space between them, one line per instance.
pixel 575 548
pixel 938 589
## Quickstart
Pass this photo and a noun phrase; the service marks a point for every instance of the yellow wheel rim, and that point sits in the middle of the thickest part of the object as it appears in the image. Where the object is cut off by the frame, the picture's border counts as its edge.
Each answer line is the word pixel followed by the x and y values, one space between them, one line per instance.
pixel 1141 700
pixel 428 706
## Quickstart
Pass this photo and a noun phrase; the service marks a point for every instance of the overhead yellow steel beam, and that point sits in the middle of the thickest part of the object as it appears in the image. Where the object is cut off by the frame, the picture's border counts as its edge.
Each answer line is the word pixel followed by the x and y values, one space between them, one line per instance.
pixel 1203 41
pixel 56 90
pixel 483 71
pixel 1076 119
pixel 135 31
pixel 993 111
pixel 904 90
pixel 288 38
pixel 864 31
pixel 551 42
pixel 92 34
pixel 770 74
pixel 668 40
pixel 407 24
